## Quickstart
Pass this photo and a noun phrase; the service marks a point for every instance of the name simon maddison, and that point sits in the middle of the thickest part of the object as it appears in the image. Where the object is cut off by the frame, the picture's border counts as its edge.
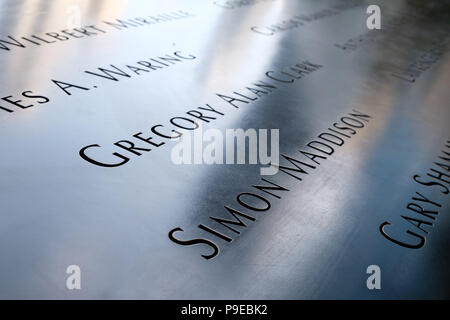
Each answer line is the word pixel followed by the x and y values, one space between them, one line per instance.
pixel 258 199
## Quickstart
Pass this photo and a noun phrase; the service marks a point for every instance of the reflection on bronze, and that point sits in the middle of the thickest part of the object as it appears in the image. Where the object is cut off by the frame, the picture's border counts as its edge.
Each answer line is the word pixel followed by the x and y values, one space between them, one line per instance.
pixel 90 111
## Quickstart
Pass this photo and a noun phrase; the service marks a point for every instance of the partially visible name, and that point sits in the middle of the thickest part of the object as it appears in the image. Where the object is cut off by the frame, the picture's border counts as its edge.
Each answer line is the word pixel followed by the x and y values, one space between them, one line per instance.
pixel 426 60
pixel 12 42
pixel 301 19
pixel 422 209
pixel 28 98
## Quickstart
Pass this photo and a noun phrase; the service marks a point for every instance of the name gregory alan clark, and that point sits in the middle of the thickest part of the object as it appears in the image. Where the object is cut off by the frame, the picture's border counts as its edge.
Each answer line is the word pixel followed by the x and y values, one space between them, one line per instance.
pixel 131 148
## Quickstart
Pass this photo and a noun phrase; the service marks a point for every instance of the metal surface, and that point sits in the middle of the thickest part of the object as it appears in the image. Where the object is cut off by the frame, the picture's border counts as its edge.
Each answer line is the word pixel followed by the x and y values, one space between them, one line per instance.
pixel 315 242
